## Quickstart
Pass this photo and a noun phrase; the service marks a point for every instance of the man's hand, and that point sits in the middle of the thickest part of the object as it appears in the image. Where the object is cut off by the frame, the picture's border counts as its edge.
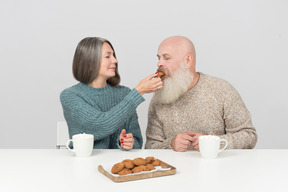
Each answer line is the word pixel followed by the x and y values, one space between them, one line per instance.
pixel 195 139
pixel 181 142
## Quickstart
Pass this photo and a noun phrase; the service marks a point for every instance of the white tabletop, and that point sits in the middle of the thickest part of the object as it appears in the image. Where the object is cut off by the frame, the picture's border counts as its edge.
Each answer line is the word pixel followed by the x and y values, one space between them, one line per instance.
pixel 59 170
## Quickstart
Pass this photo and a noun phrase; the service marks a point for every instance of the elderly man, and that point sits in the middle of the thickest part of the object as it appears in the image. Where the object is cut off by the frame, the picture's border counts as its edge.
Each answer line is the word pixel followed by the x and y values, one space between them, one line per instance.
pixel 191 104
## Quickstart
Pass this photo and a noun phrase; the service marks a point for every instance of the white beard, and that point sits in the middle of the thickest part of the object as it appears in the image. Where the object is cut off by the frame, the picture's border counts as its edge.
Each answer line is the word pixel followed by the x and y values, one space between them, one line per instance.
pixel 175 86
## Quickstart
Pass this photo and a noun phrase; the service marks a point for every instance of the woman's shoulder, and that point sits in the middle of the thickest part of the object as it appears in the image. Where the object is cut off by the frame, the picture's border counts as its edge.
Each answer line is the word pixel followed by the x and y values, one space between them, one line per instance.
pixel 72 89
pixel 71 92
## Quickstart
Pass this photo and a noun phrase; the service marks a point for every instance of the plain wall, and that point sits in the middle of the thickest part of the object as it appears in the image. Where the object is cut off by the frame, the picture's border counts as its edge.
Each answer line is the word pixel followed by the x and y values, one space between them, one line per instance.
pixel 244 42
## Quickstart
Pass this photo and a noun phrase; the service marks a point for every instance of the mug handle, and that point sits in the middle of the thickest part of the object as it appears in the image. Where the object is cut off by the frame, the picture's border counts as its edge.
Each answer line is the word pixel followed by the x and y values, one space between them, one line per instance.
pixel 67 145
pixel 226 143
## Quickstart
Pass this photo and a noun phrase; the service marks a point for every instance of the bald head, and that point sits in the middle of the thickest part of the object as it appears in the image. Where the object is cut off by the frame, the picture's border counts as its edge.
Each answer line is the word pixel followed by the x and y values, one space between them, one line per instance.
pixel 179 44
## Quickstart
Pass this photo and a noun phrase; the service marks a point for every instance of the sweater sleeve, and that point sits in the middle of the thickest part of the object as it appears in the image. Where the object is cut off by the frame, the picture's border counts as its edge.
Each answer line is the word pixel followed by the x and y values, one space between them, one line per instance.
pixel 133 127
pixel 155 137
pixel 240 132
pixel 92 120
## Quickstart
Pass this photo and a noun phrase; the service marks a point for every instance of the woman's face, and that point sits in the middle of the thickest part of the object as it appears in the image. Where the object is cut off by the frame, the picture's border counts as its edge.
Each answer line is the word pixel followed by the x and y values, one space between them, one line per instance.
pixel 108 62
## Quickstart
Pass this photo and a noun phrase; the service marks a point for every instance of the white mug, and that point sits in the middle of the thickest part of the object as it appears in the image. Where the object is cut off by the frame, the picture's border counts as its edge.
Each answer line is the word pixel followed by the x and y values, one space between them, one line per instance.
pixel 82 144
pixel 209 146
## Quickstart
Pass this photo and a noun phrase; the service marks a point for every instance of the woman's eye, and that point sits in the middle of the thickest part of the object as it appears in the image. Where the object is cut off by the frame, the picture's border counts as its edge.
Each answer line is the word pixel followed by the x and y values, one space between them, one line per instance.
pixel 107 57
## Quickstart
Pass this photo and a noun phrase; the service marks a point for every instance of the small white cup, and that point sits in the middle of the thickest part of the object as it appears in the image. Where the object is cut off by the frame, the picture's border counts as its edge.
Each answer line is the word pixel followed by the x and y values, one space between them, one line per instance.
pixel 82 144
pixel 209 146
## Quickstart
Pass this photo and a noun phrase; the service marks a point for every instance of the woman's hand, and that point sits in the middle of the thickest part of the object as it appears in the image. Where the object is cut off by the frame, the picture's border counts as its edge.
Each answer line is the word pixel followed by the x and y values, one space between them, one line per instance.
pixel 149 84
pixel 126 140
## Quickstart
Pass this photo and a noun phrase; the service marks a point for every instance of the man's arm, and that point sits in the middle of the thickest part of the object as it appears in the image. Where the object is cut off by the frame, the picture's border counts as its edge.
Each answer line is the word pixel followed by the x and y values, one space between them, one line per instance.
pixel 240 132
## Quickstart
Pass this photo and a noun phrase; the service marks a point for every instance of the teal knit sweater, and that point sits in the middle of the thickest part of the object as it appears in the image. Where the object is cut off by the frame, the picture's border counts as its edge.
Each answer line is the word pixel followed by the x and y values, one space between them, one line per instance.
pixel 102 112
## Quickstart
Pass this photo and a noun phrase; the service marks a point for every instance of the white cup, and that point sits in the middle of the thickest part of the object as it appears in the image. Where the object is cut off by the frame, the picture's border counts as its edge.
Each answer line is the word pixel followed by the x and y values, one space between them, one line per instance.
pixel 82 144
pixel 209 146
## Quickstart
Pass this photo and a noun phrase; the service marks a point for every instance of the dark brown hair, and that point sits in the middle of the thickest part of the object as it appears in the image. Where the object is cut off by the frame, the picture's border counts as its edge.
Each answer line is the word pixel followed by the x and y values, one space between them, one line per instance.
pixel 87 60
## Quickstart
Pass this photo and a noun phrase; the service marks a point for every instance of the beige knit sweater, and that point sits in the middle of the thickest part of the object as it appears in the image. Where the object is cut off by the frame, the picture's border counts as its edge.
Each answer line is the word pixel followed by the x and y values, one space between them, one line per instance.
pixel 211 107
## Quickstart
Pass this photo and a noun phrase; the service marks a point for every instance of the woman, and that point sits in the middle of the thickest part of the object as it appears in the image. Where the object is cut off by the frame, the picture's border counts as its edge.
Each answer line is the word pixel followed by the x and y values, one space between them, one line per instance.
pixel 98 105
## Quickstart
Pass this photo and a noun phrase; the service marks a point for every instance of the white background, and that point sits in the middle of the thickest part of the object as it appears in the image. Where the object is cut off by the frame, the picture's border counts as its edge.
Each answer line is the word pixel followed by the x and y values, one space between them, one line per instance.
pixel 244 42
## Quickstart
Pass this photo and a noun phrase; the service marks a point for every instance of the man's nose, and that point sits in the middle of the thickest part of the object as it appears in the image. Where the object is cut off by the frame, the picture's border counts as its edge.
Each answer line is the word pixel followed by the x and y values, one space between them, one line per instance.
pixel 160 64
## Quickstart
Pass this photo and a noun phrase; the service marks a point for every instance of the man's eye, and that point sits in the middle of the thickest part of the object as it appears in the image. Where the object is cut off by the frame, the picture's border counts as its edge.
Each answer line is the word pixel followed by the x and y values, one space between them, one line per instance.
pixel 167 58
pixel 107 57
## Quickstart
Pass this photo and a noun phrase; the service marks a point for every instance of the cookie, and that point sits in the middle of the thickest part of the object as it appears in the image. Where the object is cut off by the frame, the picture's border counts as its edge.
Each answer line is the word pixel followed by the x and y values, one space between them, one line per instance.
pixel 150 167
pixel 160 74
pixel 149 159
pixel 125 171
pixel 156 162
pixel 117 168
pixel 128 163
pixel 139 161
pixel 139 169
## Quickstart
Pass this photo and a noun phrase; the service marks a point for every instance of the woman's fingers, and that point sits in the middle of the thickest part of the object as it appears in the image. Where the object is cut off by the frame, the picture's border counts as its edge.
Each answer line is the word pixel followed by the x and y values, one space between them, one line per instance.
pixel 127 145
pixel 151 76
pixel 129 135
pixel 149 84
pixel 127 141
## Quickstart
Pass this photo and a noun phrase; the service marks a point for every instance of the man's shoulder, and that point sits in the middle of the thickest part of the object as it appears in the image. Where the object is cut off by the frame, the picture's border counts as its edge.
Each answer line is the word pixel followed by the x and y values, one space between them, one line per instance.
pixel 213 79
pixel 219 86
pixel 215 82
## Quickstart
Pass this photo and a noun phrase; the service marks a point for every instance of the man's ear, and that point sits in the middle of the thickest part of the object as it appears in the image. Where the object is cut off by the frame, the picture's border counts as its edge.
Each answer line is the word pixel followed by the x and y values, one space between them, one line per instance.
pixel 189 60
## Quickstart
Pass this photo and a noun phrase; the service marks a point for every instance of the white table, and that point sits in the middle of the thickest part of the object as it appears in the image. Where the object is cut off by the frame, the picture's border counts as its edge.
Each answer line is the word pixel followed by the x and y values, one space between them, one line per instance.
pixel 59 170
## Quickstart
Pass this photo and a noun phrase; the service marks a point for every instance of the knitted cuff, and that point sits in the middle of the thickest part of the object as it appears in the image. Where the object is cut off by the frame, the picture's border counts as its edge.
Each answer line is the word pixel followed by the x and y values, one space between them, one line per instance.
pixel 167 143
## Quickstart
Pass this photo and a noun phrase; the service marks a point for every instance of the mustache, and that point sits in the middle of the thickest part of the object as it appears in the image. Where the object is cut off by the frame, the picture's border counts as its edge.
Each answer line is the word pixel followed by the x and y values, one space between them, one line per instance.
pixel 161 70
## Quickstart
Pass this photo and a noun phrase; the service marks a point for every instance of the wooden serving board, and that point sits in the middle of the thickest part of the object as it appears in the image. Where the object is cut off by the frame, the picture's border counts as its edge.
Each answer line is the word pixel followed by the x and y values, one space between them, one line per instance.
pixel 123 178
